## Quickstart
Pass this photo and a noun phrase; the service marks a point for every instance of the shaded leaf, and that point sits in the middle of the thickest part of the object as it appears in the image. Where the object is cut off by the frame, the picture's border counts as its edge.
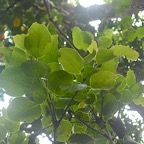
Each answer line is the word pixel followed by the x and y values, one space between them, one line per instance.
pixel 20 109
pixel 2 133
pixel 130 78
pixel 64 131
pixel 59 79
pixel 104 42
pixel 14 81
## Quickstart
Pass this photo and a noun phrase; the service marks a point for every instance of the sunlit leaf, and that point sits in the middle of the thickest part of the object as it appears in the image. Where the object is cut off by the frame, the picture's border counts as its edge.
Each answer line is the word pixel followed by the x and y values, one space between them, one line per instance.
pixel 71 60
pixel 21 109
pixel 37 39
pixel 81 39
pixel 104 42
pixel 103 80
pixel 120 50
pixel 130 78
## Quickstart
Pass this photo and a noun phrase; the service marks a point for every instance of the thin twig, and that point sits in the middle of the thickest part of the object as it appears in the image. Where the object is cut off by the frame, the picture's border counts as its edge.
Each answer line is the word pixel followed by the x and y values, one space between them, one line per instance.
pixel 88 126
pixel 56 26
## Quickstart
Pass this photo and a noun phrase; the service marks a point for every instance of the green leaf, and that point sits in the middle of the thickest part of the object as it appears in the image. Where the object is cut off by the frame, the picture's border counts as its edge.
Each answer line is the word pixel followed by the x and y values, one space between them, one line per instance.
pixel 110 105
pixel 71 60
pixel 37 39
pixel 14 81
pixel 93 47
pixel 51 51
pixel 11 126
pixel 130 78
pixel 81 39
pixel 36 93
pixel 64 131
pixel 104 55
pixel 79 128
pixel 13 56
pixel 104 42
pixel 103 80
pixel 19 41
pixel 80 139
pixel 131 35
pixel 140 32
pixel 59 79
pixel 21 109
pixel 35 69
pixel 110 65
pixel 136 90
pixel 17 138
pixel 126 96
pixel 2 133
pixel 120 50
pixel 139 101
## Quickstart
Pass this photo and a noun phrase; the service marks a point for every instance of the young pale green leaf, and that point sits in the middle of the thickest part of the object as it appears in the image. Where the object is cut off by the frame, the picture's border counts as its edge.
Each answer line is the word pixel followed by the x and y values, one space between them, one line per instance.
pixel 37 39
pixel 130 78
pixel 81 39
pixel 35 69
pixel 80 138
pixel 59 79
pixel 120 50
pixel 136 90
pixel 51 51
pixel 126 96
pixel 140 32
pixel 71 61
pixel 14 81
pixel 104 55
pixel 21 109
pixel 93 47
pixel 103 80
pixel 64 131
pixel 110 65
pixel 104 42
pixel 19 41
pixel 3 133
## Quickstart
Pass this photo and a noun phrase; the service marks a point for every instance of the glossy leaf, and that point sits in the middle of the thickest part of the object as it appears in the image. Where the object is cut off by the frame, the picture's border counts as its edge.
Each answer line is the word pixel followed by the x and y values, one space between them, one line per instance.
pixel 81 39
pixel 120 50
pixel 64 131
pixel 103 80
pixel 104 55
pixel 59 79
pixel 37 39
pixel 2 133
pixel 21 109
pixel 130 78
pixel 14 81
pixel 71 60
